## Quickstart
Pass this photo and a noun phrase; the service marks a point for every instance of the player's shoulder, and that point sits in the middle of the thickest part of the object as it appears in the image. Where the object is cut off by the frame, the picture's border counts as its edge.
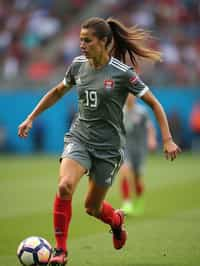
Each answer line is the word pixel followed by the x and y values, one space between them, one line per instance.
pixel 77 62
pixel 80 59
pixel 118 65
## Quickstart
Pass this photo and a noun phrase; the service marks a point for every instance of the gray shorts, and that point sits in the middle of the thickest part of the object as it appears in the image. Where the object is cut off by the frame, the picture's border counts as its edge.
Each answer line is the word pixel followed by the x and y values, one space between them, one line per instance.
pixel 102 165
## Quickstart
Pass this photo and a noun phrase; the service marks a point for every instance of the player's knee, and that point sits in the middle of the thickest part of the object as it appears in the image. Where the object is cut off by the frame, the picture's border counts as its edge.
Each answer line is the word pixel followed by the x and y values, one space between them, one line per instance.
pixel 65 188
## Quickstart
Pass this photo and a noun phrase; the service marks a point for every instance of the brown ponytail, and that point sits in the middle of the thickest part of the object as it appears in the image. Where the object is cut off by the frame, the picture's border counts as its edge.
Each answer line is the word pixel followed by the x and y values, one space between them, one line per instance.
pixel 128 40
pixel 125 40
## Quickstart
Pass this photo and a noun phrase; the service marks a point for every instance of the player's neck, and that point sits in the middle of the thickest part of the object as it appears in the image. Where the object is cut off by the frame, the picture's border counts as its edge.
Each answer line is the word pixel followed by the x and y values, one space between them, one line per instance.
pixel 99 62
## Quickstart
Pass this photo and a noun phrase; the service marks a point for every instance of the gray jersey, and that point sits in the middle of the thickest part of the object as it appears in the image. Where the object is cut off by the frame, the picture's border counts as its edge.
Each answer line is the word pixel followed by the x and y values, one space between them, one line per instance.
pixel 101 97
pixel 136 123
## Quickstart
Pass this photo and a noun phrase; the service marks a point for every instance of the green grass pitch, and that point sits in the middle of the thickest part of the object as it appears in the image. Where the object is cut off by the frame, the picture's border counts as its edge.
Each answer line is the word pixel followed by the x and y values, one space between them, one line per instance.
pixel 168 234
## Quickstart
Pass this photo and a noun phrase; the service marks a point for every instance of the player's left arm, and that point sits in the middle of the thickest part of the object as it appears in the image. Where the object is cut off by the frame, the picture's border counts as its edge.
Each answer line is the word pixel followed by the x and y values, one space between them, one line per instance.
pixel 170 148
pixel 49 99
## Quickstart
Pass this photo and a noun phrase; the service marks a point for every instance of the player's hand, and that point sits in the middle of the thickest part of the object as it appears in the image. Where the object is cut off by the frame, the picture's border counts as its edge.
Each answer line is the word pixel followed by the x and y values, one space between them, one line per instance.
pixel 171 150
pixel 24 128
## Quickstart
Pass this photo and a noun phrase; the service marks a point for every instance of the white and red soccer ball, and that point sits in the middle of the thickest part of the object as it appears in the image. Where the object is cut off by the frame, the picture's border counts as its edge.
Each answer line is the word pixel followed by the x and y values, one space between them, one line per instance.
pixel 34 251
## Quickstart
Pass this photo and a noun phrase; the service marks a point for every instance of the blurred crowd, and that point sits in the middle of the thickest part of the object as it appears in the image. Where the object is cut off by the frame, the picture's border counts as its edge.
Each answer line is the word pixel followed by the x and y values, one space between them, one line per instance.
pixel 28 28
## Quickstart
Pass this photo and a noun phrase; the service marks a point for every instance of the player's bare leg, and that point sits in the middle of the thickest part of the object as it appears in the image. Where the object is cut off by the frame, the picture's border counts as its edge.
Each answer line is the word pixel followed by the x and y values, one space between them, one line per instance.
pixel 70 174
pixel 97 207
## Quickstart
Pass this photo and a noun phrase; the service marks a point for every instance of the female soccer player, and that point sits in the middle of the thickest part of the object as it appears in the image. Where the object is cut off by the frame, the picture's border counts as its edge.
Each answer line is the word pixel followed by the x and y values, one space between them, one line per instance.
pixel 140 136
pixel 96 138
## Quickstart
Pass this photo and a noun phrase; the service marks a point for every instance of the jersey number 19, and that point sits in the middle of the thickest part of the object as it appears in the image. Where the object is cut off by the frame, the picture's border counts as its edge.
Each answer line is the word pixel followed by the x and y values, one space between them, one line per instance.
pixel 91 98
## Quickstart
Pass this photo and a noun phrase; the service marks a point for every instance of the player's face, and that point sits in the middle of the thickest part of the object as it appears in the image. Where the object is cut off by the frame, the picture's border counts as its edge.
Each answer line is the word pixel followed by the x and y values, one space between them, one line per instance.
pixel 90 45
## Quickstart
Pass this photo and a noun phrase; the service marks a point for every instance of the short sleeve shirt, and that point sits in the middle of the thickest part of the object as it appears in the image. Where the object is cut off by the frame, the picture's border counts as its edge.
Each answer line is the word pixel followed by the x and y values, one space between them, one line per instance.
pixel 101 97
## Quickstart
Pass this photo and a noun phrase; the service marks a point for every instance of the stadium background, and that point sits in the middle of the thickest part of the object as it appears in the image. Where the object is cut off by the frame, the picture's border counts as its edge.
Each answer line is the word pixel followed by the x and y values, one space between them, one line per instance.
pixel 38 39
pixel 34 58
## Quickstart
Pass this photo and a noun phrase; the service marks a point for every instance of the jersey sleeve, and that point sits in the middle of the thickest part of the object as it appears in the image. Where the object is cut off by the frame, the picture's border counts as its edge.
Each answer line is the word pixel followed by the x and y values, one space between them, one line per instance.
pixel 69 75
pixel 134 83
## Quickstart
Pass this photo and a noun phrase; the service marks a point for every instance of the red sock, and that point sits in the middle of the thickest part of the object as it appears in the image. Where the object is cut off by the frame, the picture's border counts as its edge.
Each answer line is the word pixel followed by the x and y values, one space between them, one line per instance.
pixel 139 187
pixel 107 212
pixel 125 189
pixel 62 215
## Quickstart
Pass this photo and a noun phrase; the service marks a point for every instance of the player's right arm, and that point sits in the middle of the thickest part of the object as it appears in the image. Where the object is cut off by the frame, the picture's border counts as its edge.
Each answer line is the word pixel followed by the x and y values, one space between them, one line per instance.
pixel 138 88
pixel 49 99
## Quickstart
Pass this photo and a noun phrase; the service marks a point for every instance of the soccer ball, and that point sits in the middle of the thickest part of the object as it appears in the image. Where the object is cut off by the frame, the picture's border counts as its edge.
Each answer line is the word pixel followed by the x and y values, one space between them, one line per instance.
pixel 34 251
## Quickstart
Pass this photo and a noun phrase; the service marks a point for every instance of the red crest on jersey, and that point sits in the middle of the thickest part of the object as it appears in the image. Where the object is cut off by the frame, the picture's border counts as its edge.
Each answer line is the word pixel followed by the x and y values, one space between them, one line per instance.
pixel 133 79
pixel 108 84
